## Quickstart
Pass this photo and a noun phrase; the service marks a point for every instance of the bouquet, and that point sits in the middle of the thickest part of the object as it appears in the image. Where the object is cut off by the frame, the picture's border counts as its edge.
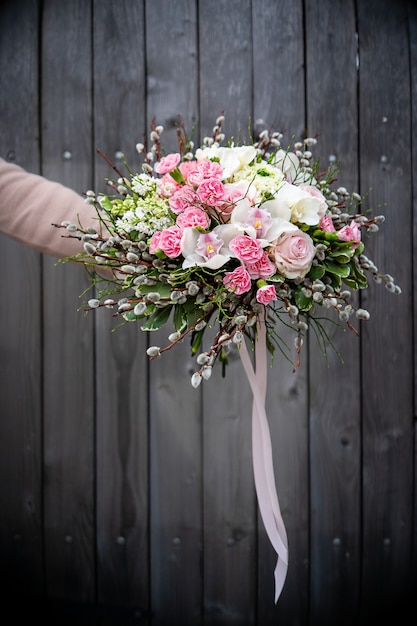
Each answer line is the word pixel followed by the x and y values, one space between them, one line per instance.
pixel 239 238
pixel 222 235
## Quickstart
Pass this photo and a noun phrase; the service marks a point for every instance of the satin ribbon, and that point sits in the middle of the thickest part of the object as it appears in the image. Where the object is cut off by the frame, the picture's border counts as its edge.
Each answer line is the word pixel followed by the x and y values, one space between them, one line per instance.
pixel 262 456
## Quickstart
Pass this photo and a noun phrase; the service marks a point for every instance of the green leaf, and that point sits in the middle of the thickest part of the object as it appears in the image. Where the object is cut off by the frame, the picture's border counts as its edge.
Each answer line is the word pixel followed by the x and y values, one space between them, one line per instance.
pixel 196 341
pixel 357 279
pixel 163 289
pixel 316 272
pixel 343 255
pixel 106 203
pixel 158 319
pixel 340 270
pixel 177 176
pixel 303 302
pixel 180 318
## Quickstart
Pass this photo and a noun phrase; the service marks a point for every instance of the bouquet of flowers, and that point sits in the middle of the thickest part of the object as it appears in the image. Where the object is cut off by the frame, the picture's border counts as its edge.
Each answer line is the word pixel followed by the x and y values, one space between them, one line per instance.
pixel 239 238
pixel 223 234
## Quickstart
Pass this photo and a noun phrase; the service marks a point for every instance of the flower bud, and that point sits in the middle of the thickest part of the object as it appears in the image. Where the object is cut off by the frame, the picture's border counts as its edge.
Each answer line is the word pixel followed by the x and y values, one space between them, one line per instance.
pixel 153 351
pixel 362 314
pixel 196 380
pixel 140 308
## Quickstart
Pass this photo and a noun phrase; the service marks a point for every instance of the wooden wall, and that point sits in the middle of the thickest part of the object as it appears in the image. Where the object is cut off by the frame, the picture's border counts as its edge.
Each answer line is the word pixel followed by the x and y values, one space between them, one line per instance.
pixel 126 496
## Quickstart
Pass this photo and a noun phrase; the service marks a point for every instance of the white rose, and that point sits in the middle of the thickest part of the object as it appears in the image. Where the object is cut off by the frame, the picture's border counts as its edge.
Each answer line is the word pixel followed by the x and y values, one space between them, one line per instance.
pixel 305 208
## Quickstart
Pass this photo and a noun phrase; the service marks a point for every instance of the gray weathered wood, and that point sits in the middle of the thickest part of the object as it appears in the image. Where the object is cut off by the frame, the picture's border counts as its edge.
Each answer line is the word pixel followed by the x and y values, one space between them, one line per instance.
pixel 226 82
pixel 412 34
pixel 68 348
pixel 121 364
pixel 279 101
pixel 175 419
pixel 387 353
pixel 21 540
pixel 335 419
pixel 126 494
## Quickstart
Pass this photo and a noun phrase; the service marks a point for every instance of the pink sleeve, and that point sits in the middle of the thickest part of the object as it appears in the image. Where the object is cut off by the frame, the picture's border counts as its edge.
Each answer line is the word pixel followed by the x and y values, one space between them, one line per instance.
pixel 30 204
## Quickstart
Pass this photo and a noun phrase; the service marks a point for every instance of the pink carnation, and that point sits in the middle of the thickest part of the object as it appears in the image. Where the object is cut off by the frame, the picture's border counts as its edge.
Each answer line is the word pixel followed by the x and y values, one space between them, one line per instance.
pixel 193 216
pixel 186 167
pixel 326 223
pixel 262 268
pixel 246 249
pixel 266 294
pixel 154 243
pixel 183 198
pixel 238 281
pixel 168 163
pixel 350 233
pixel 205 170
pixel 170 241
pixel 211 191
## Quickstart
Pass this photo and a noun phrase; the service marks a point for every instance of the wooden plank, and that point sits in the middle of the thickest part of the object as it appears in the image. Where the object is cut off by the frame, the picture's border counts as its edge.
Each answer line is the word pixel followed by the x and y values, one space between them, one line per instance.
pixel 278 53
pixel 21 547
pixel 175 418
pixel 385 161
pixel 68 338
pixel 121 361
pixel 229 498
pixel 412 34
pixel 335 418
pixel 225 61
pixel 279 102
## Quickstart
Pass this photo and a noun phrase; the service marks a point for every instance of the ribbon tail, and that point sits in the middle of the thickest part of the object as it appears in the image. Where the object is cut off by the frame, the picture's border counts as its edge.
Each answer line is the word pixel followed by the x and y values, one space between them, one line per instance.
pixel 262 459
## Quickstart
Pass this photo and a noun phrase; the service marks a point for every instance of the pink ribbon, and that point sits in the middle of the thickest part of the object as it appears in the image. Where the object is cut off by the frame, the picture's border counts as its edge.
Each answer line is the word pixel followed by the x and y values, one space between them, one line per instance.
pixel 262 457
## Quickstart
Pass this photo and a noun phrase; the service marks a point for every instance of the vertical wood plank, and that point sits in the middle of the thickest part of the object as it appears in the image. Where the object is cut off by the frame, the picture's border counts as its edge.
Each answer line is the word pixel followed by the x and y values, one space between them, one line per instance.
pixel 279 101
pixel 226 83
pixel 331 47
pixel 175 416
pixel 385 159
pixel 225 63
pixel 68 336
pixel 412 36
pixel 21 547
pixel 121 362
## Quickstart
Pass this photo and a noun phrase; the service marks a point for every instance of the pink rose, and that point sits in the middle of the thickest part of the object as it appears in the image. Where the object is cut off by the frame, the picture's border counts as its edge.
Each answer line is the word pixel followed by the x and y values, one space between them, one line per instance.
pixel 154 242
pixel 193 216
pixel 350 233
pixel 326 223
pixel 168 163
pixel 238 281
pixel 211 191
pixel 170 241
pixel 183 198
pixel 246 249
pixel 294 253
pixel 262 268
pixel 266 294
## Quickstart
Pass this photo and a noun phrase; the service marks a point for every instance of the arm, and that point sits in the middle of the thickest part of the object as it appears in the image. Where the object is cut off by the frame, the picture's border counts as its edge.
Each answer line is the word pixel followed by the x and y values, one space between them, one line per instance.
pixel 30 204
